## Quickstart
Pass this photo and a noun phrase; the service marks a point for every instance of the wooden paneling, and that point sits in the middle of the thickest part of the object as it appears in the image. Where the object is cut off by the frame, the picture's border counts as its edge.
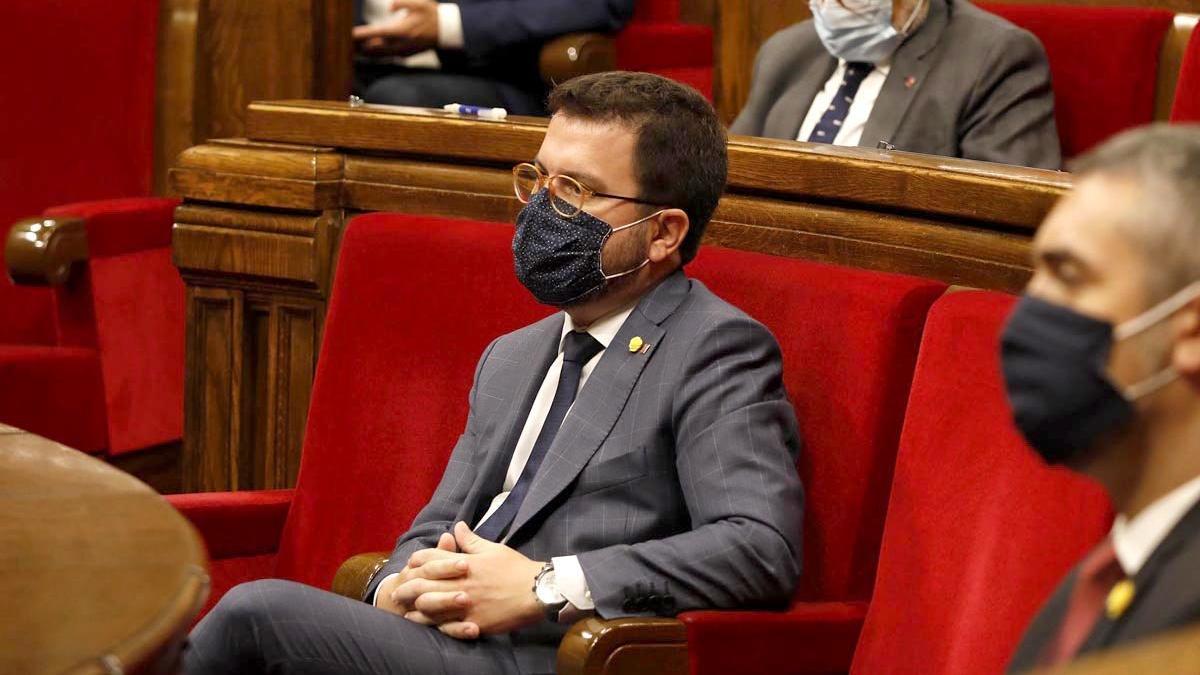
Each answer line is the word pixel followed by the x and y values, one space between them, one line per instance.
pixel 256 239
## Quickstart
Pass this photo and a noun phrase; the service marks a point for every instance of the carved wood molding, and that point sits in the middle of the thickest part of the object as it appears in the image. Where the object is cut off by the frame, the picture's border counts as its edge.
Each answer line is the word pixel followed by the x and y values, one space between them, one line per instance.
pixel 42 251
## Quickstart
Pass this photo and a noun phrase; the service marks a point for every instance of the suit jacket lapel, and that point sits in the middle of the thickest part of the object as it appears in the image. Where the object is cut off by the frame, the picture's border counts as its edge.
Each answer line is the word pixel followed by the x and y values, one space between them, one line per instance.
pixel 602 397
pixel 528 367
pixel 907 74
pixel 1183 532
pixel 785 118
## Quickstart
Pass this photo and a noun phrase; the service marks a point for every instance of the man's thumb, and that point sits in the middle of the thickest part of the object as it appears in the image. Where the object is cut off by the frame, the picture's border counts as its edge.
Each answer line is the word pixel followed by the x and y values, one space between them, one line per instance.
pixel 468 541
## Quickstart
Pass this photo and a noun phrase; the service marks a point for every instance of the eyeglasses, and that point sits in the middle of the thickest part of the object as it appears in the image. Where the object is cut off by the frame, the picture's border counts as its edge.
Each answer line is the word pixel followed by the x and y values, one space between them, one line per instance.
pixel 567 195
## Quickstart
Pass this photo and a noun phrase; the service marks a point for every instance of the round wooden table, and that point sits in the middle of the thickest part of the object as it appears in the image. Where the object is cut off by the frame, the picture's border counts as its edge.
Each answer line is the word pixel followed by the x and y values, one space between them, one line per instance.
pixel 97 572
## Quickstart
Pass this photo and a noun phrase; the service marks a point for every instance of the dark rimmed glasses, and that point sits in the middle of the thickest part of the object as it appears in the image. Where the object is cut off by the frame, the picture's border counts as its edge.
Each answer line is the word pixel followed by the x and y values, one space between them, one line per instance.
pixel 567 195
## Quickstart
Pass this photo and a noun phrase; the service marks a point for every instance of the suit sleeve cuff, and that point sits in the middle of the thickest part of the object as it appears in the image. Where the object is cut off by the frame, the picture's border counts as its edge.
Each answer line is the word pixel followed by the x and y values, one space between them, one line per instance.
pixel 375 593
pixel 571 582
pixel 450 27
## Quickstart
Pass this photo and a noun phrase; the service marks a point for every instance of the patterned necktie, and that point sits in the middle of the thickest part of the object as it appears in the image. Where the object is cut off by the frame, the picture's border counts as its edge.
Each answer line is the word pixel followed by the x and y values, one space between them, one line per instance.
pixel 831 122
pixel 578 349
pixel 1098 574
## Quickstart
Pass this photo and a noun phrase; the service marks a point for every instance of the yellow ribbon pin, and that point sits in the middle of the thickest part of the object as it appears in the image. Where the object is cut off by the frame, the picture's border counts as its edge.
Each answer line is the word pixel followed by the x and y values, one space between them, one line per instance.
pixel 635 344
pixel 1119 598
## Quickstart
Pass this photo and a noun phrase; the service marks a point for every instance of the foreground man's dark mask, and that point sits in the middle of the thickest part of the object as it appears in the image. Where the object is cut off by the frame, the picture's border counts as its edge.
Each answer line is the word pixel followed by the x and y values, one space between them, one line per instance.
pixel 558 258
pixel 1055 365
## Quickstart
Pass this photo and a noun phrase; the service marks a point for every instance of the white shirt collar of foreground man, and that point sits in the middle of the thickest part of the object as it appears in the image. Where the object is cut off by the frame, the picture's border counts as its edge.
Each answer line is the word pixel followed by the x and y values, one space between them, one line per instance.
pixel 1135 539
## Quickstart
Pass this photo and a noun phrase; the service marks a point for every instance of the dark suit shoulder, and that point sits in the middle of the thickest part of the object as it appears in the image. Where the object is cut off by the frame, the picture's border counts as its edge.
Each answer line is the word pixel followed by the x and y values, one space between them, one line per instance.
pixel 795 45
pixel 705 311
pixel 987 32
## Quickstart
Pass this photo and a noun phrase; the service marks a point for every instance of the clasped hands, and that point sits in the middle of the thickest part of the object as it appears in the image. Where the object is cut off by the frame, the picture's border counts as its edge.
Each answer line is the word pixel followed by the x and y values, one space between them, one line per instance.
pixel 412 30
pixel 467 586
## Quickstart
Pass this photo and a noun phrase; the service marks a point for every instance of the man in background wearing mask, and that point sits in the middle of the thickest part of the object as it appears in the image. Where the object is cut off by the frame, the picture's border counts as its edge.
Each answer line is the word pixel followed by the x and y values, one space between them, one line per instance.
pixel 670 484
pixel 940 77
pixel 1101 359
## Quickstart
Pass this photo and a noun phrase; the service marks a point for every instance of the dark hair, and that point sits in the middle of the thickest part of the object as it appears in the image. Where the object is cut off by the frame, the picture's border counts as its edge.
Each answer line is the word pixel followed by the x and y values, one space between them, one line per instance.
pixel 1163 161
pixel 680 153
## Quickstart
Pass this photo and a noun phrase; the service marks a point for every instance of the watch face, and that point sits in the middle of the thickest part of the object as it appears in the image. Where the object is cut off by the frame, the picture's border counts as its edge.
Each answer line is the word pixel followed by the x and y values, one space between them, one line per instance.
pixel 547 589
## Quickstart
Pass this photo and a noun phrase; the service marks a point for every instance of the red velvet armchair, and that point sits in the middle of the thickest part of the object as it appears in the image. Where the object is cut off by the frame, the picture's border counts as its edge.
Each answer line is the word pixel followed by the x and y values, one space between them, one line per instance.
pixel 1103 65
pixel 91 342
pixel 1187 92
pixel 414 303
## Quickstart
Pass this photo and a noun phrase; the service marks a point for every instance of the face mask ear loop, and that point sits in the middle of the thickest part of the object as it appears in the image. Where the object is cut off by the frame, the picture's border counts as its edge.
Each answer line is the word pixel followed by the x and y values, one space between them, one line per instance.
pixel 610 277
pixel 908 24
pixel 1157 313
pixel 1151 384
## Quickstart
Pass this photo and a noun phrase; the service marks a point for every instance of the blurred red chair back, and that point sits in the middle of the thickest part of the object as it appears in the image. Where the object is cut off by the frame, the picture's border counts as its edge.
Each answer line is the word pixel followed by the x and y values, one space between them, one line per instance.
pixel 1186 107
pixel 979 531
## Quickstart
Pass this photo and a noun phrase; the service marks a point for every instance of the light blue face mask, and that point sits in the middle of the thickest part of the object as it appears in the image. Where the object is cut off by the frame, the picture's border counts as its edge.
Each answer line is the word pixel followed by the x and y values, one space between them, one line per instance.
pixel 860 31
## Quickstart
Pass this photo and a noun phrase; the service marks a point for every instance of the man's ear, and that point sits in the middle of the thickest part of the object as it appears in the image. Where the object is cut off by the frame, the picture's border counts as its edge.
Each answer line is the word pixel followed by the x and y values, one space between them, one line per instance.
pixel 1186 355
pixel 672 228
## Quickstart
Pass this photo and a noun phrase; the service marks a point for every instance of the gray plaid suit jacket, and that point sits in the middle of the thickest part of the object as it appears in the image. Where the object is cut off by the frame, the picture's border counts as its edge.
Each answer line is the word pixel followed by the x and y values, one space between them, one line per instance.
pixel 673 478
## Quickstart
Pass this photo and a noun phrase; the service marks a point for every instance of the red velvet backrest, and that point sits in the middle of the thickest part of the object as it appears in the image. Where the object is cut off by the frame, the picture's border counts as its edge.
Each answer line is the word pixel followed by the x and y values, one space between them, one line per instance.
pixel 979 531
pixel 656 42
pixel 656 10
pixel 415 302
pixel 1103 62
pixel 849 339
pixel 1186 107
pixel 77 122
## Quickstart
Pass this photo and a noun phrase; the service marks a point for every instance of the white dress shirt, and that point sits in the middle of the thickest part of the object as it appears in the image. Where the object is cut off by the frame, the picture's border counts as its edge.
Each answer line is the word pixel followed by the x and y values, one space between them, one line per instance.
pixel 450 30
pixel 860 109
pixel 567 571
pixel 1135 539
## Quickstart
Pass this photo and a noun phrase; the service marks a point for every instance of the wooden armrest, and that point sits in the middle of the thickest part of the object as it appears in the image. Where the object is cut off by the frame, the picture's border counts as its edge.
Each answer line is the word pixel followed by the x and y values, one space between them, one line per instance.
pixel 41 251
pixel 353 576
pixel 576 54
pixel 630 645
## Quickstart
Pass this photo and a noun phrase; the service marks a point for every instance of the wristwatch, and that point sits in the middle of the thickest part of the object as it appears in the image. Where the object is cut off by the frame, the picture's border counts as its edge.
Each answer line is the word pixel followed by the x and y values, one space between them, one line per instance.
pixel 545 590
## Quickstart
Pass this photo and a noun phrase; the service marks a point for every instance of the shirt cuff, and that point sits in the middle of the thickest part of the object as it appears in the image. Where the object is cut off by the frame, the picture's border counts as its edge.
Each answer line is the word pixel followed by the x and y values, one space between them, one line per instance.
pixel 568 573
pixel 376 593
pixel 450 28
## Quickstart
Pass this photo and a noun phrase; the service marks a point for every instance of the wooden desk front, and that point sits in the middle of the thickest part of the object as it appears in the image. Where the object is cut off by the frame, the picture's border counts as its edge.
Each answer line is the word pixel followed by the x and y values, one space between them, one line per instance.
pixel 97 572
pixel 256 240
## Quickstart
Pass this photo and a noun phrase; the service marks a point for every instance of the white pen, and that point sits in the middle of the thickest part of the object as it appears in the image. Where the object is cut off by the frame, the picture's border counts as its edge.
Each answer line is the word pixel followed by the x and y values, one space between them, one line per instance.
pixel 477 111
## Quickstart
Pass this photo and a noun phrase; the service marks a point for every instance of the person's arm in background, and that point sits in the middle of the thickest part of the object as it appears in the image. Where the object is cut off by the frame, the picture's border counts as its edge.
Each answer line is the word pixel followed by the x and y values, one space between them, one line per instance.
pixel 1010 116
pixel 488 26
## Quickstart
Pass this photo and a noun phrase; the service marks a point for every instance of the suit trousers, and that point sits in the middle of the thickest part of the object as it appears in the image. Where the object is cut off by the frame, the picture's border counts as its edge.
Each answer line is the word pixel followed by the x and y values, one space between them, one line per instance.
pixel 276 626
pixel 391 84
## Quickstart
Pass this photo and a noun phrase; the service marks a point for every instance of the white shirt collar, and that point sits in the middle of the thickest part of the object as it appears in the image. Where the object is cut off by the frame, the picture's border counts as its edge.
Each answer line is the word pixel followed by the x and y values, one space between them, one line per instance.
pixel 1135 539
pixel 604 329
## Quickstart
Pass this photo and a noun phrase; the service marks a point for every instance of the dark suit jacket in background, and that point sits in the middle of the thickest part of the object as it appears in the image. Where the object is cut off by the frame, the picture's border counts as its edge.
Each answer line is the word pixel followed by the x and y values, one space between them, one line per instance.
pixel 980 89
pixel 672 477
pixel 503 38
pixel 1167 596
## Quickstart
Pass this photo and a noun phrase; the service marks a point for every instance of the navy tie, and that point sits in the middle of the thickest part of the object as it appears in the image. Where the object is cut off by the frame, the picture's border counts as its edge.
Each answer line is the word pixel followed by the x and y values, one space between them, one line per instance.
pixel 831 122
pixel 578 349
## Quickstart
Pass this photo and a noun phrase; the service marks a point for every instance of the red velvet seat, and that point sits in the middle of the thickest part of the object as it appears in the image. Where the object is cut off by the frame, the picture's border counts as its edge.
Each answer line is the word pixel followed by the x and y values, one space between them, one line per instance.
pixel 78 124
pixel 417 299
pixel 1186 107
pixel 656 42
pixel 1103 62
pixel 979 531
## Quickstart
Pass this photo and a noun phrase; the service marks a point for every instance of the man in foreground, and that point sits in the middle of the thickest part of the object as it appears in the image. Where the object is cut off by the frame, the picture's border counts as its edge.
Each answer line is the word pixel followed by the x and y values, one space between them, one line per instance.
pixel 631 455
pixel 1102 364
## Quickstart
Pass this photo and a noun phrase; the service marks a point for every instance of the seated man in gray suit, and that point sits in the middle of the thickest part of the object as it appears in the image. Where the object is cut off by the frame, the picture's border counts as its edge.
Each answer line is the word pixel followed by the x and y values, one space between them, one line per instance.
pixel 1102 365
pixel 940 77
pixel 632 455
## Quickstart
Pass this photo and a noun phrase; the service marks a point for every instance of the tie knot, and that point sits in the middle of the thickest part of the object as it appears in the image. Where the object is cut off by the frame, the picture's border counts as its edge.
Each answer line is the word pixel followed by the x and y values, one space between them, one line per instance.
pixel 579 347
pixel 857 71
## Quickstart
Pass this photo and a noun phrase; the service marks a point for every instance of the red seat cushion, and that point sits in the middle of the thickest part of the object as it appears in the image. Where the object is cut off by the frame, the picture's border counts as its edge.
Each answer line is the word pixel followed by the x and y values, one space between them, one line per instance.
pixel 979 531
pixel 1187 92
pixel 54 392
pixel 1103 62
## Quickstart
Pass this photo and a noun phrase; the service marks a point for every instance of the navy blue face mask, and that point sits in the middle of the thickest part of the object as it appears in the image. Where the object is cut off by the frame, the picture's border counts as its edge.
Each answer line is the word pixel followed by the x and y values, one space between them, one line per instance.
pixel 557 258
pixel 1055 364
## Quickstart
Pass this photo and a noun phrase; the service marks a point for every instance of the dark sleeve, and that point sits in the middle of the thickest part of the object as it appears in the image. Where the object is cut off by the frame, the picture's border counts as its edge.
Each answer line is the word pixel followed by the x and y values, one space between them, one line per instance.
pixel 488 26
pixel 1010 114
pixel 438 515
pixel 753 115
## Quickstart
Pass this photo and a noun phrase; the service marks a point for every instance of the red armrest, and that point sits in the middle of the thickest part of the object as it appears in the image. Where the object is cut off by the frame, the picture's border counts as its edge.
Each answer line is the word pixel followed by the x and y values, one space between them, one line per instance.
pixel 808 638
pixel 119 226
pixel 236 524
